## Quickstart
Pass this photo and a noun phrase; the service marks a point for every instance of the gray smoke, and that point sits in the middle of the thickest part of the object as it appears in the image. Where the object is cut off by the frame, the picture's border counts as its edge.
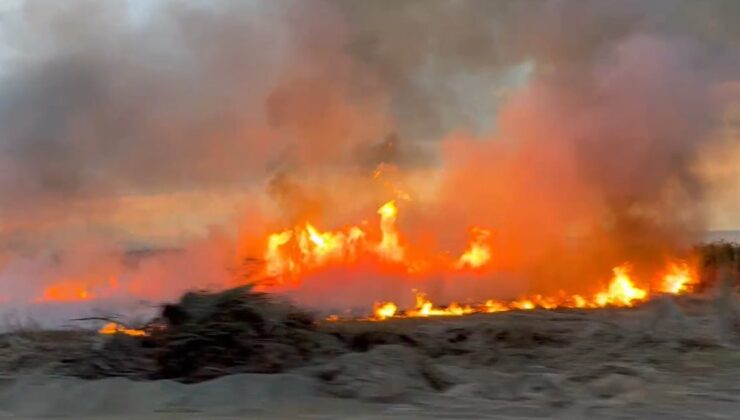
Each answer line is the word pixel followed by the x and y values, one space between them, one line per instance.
pixel 582 115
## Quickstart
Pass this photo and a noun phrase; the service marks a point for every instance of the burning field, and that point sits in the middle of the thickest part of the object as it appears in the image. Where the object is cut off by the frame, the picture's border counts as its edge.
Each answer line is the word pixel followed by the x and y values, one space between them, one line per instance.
pixel 425 203
pixel 239 352
pixel 292 254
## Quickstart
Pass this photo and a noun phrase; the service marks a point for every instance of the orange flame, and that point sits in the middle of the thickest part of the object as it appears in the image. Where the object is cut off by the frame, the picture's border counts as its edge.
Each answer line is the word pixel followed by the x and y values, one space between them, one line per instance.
pixel 479 252
pixel 621 291
pixel 389 246
pixel 113 328
pixel 424 308
pixel 383 310
pixel 290 252
pixel 66 291
pixel 306 247
pixel 678 279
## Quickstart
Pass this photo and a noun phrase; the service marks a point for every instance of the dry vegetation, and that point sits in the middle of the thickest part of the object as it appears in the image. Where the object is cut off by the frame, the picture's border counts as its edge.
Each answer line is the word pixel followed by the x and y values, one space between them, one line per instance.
pixel 714 257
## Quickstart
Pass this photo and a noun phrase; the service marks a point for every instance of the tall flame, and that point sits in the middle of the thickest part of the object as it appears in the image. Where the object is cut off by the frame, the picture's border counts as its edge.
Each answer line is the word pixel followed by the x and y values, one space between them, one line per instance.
pixel 276 264
pixel 389 246
pixel 479 252
pixel 621 291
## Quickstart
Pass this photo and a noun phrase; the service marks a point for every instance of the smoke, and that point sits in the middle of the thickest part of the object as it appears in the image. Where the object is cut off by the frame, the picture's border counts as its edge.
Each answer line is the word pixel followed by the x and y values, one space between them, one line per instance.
pixel 572 129
pixel 99 104
pixel 601 159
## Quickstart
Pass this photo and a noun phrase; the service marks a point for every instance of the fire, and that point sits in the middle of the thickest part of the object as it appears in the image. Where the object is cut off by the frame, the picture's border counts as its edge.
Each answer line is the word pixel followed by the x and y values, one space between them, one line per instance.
pixel 389 246
pixel 66 291
pixel 424 308
pixel 383 310
pixel 621 291
pixel 678 278
pixel 291 252
pixel 522 304
pixel 303 248
pixel 321 246
pixel 492 306
pixel 114 328
pixel 306 247
pixel 275 263
pixel 478 253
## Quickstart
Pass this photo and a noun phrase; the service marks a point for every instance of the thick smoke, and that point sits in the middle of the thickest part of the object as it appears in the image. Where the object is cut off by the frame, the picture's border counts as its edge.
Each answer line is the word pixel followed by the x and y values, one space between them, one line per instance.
pixel 98 104
pixel 573 129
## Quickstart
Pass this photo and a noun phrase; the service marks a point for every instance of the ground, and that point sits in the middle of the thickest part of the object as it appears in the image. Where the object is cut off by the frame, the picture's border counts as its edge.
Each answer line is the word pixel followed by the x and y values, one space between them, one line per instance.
pixel 671 359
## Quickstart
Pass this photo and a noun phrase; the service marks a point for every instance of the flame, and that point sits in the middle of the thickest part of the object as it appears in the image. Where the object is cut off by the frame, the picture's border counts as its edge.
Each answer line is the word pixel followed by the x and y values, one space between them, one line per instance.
pixel 621 291
pixel 478 253
pixel 114 328
pixel 291 252
pixel 66 291
pixel 523 303
pixel 383 310
pixel 492 306
pixel 275 263
pixel 424 307
pixel 678 278
pixel 389 246
pixel 321 246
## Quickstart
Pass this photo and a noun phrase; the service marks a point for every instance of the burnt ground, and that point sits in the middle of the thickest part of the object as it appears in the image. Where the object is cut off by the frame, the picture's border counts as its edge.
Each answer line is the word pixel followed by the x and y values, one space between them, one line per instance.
pixel 671 358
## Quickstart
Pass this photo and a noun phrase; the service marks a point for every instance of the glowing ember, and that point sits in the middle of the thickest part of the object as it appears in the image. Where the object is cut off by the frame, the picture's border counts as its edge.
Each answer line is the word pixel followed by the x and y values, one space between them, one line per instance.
pixel 113 328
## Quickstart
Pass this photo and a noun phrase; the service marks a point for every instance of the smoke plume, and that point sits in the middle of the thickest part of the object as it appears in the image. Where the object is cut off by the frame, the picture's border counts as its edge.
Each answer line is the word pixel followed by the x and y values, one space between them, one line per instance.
pixel 574 130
